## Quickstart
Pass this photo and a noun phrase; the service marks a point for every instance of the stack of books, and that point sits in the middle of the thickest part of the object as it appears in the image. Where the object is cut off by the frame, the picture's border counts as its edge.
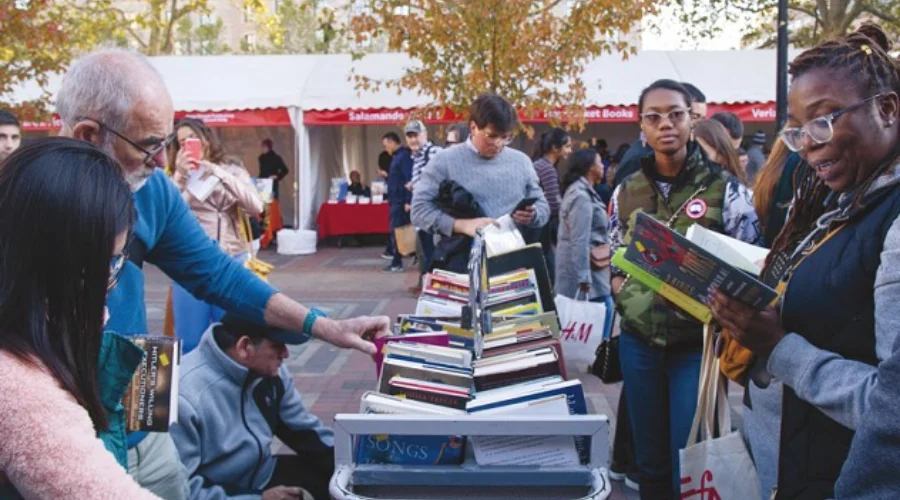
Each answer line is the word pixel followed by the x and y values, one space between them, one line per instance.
pixel 418 373
pixel 445 293
pixel 428 367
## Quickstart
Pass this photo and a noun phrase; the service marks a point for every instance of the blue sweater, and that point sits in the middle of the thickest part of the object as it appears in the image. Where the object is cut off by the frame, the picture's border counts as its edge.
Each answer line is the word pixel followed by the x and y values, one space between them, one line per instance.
pixel 175 242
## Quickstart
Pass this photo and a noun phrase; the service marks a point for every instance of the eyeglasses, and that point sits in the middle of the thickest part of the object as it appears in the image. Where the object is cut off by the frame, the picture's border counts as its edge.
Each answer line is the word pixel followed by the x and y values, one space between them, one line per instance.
pixel 675 116
pixel 149 155
pixel 820 130
pixel 500 140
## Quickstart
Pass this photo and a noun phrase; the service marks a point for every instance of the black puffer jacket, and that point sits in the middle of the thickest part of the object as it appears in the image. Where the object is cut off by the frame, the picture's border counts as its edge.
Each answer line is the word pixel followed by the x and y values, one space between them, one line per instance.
pixel 452 253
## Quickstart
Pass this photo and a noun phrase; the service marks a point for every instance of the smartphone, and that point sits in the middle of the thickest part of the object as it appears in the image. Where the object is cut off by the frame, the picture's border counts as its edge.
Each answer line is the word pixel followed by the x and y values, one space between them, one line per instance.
pixel 192 148
pixel 525 203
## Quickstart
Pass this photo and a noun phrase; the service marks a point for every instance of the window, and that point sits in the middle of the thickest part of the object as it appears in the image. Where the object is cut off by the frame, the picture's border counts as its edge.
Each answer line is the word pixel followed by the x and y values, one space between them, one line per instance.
pixel 250 41
pixel 207 20
pixel 22 4
pixel 248 14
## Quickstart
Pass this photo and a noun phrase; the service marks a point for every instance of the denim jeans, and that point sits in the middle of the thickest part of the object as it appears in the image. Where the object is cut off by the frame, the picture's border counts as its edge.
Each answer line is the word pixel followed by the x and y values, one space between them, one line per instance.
pixel 661 389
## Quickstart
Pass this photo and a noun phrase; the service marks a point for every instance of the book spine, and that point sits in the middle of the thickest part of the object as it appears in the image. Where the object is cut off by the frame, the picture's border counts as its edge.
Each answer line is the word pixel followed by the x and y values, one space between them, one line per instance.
pixel 494 381
pixel 446 400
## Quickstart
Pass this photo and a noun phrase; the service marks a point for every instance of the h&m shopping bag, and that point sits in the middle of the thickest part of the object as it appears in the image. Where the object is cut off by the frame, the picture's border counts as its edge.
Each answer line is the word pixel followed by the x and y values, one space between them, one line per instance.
pixel 716 465
pixel 584 325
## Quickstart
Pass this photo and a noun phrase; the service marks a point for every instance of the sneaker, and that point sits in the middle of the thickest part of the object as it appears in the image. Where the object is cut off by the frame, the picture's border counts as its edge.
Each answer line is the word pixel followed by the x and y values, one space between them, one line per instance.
pixel 617 471
pixel 632 482
pixel 392 269
pixel 387 256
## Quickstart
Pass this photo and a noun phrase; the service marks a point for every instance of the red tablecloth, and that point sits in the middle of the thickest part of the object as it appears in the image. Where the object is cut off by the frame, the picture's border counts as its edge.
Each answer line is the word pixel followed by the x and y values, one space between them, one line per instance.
pixel 342 219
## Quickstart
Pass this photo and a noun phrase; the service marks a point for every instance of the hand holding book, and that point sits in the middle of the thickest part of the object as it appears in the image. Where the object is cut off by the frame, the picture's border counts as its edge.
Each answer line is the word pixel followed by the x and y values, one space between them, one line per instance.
pixel 757 330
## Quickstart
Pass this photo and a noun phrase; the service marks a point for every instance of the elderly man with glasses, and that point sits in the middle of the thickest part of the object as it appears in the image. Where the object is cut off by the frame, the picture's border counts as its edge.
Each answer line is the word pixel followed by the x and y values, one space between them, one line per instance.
pixel 499 178
pixel 117 100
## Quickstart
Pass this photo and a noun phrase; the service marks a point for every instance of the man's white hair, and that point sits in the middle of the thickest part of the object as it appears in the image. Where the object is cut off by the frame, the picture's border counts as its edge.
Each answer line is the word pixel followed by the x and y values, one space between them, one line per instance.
pixel 104 86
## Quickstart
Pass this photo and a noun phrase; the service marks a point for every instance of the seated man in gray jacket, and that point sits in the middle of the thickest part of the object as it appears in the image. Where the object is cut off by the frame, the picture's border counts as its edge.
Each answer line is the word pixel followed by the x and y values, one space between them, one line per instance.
pixel 235 396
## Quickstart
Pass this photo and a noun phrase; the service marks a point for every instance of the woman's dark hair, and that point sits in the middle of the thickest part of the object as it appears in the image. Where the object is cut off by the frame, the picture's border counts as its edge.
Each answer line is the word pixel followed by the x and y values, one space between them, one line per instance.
pixel 62 204
pixel 620 153
pixel 491 109
pixel 731 122
pixel 582 161
pixel 714 133
pixel 862 57
pixel 549 139
pixel 391 136
pixel 214 151
pixel 665 85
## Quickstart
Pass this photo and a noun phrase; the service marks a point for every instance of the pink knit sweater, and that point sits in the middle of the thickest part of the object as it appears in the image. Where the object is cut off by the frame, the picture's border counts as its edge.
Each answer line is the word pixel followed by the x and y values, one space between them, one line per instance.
pixel 49 448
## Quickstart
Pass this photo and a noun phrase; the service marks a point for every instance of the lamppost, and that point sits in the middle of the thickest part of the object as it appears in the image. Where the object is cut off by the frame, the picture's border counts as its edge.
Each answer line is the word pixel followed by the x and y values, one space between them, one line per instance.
pixel 781 84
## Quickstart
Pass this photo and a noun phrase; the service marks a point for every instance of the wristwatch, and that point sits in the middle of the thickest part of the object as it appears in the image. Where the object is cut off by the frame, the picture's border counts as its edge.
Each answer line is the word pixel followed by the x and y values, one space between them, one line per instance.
pixel 310 320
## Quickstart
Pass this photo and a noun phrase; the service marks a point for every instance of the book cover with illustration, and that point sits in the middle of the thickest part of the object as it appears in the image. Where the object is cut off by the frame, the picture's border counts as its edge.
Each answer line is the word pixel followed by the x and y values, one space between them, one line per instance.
pixel 683 272
pixel 407 450
pixel 151 400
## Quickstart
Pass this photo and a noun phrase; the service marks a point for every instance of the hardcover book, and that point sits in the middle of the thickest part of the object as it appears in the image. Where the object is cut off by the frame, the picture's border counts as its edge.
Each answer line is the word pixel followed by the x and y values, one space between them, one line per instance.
pixel 151 400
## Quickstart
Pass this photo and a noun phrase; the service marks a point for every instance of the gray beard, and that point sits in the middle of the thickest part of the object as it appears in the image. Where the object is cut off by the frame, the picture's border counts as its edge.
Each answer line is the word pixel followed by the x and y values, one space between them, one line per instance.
pixel 136 180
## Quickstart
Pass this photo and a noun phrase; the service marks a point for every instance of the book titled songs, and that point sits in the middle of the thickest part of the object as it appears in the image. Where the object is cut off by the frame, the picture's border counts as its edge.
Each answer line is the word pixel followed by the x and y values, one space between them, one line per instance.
pixel 151 401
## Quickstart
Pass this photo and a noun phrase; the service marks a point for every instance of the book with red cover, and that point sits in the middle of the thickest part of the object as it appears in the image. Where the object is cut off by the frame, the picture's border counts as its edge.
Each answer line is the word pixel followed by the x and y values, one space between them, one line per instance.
pixel 431 338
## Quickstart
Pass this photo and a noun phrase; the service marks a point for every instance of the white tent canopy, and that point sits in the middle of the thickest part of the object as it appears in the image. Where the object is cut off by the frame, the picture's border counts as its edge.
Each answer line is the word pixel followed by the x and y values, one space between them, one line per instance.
pixel 306 83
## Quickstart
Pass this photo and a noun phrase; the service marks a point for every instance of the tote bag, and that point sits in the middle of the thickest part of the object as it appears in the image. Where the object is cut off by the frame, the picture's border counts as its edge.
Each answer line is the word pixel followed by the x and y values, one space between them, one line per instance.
pixel 584 326
pixel 717 465
pixel 406 237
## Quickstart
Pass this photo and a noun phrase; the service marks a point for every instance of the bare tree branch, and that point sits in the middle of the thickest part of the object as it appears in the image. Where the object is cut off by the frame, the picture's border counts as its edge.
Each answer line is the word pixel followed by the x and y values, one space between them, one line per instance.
pixel 884 15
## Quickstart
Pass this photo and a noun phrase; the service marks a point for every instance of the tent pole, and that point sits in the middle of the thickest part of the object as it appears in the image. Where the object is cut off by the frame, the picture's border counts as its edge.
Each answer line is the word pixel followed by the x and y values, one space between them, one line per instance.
pixel 781 84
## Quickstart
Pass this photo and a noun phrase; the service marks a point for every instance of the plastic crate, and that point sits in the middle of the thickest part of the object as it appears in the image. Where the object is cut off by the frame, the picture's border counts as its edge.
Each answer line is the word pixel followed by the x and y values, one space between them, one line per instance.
pixel 353 481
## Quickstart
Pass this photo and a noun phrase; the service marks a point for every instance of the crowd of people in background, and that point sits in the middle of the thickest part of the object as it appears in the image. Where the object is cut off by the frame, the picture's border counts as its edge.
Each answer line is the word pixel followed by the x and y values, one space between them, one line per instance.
pixel 820 368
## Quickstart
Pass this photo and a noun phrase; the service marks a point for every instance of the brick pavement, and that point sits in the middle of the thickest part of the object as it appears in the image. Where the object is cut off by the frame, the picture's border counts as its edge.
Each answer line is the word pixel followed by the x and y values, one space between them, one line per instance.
pixel 348 282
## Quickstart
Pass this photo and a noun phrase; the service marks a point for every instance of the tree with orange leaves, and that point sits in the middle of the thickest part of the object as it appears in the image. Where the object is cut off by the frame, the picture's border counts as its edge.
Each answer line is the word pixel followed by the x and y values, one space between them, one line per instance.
pixel 532 52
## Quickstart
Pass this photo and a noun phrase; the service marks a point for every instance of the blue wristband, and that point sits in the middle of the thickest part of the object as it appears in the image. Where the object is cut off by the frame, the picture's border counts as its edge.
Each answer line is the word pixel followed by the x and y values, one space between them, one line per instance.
pixel 310 320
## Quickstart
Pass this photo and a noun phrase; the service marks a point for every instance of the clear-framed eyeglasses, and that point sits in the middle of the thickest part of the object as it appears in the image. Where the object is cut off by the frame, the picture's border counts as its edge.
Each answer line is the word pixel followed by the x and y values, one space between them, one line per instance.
pixel 819 130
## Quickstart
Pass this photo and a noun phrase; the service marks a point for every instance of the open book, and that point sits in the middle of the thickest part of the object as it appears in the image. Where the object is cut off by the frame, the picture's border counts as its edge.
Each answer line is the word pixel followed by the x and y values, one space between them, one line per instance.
pixel 683 271
pixel 741 255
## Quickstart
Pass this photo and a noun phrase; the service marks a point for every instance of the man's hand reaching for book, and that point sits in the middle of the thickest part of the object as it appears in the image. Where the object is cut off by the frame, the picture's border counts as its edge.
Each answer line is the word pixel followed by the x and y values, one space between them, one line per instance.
pixel 759 331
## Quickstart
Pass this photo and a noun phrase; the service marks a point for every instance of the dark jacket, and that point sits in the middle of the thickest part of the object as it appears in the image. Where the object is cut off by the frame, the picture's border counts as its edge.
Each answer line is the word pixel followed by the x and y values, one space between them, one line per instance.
pixel 452 253
pixel 271 164
pixel 631 162
pixel 399 175
pixel 830 303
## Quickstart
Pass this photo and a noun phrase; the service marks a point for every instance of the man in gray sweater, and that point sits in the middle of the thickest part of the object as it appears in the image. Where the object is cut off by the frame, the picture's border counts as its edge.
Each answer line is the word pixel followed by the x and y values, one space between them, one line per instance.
pixel 498 178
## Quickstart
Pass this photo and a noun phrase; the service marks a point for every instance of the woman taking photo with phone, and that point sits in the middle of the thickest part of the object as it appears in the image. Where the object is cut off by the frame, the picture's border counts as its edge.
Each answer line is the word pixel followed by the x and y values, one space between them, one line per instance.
pixel 660 345
pixel 65 216
pixel 219 206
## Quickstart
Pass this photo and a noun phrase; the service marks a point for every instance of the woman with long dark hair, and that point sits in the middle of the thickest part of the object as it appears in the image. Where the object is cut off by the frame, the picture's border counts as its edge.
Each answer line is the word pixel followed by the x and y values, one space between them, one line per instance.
pixel 65 216
pixel 660 345
pixel 219 214
pixel 836 264
pixel 553 146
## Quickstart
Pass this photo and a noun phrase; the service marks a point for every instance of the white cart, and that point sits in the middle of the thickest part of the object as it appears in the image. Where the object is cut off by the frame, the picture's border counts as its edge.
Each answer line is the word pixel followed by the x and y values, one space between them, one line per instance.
pixel 353 481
